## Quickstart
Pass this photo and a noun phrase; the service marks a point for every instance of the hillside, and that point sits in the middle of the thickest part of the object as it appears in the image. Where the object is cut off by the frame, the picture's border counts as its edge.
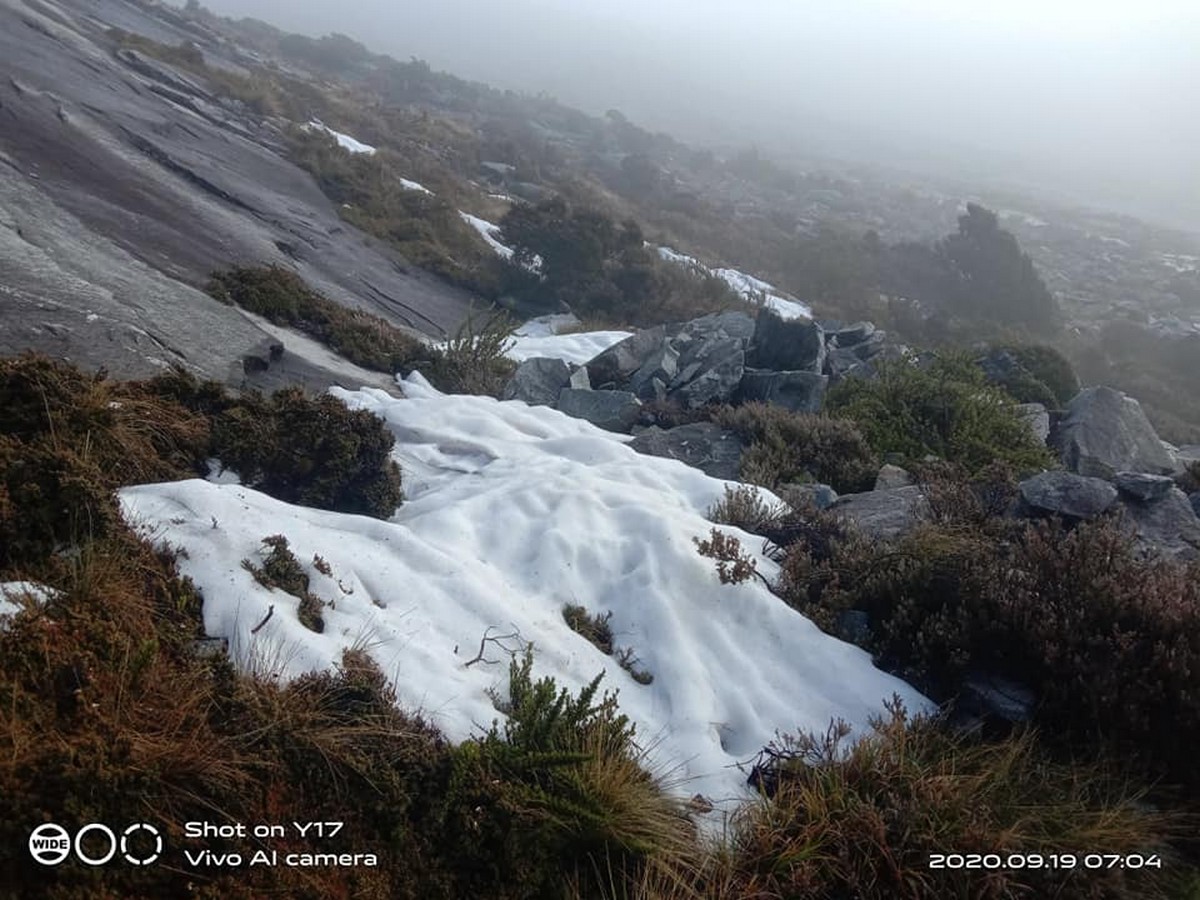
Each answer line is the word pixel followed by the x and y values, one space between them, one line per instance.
pixel 412 489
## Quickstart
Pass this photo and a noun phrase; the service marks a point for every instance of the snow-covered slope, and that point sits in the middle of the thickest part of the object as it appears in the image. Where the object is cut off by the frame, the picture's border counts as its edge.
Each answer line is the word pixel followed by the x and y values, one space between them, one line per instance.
pixel 753 289
pixel 487 230
pixel 511 512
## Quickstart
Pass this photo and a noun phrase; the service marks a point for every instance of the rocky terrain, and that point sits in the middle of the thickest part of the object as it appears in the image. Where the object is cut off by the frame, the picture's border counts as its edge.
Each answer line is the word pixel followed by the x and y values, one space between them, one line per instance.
pixel 124 183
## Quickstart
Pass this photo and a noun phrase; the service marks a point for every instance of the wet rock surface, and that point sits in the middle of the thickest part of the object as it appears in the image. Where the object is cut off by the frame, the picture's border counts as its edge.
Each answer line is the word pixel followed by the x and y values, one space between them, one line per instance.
pixel 124 182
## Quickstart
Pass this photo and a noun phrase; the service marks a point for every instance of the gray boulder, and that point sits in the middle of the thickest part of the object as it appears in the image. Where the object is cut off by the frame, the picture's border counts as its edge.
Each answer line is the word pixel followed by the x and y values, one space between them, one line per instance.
pixel 1169 526
pixel 797 391
pixel 712 376
pixel 650 382
pixel 1143 487
pixel 996 697
pixel 840 362
pixel 618 363
pixel 891 476
pixel 1037 418
pixel 884 515
pixel 799 496
pixel 610 410
pixel 1105 432
pixel 871 346
pixel 850 335
pixel 1067 494
pixel 703 445
pixel 580 379
pixel 787 345
pixel 537 381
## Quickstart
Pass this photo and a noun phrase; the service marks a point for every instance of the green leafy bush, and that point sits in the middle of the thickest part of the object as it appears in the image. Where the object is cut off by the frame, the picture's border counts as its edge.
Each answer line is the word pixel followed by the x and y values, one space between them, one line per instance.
pixel 311 451
pixel 786 446
pixel 944 409
pixel 1050 368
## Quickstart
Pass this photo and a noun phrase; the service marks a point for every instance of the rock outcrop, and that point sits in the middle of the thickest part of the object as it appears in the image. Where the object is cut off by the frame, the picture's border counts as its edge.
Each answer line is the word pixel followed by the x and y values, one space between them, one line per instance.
pixel 1067 494
pixel 703 445
pixel 1105 432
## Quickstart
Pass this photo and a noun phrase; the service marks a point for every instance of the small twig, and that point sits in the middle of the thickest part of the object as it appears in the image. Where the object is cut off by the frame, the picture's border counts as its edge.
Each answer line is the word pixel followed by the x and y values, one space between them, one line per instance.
pixel 487 638
pixel 266 618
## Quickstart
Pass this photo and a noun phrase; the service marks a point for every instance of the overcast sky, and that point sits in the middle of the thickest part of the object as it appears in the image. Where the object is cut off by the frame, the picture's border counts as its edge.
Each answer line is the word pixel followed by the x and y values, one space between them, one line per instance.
pixel 1097 97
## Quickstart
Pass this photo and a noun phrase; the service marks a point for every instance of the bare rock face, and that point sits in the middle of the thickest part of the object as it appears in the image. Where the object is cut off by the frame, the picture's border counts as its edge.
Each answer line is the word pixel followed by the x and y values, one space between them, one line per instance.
pixel 1105 432
pixel 797 391
pixel 1038 419
pixel 125 181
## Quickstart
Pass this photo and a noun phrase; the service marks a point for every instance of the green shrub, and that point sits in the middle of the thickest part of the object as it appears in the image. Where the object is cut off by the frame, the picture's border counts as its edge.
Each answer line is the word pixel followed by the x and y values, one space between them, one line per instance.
pixel 945 409
pixel 571 765
pixel 786 446
pixel 868 821
pixel 474 360
pixel 282 570
pixel 1049 367
pixel 311 451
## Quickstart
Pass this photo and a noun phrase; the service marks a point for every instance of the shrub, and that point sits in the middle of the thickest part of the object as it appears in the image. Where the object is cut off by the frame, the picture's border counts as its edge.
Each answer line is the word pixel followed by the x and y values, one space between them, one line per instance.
pixel 282 570
pixel 283 298
pixel 474 360
pixel 945 409
pixel 1108 641
pixel 571 764
pixel 867 821
pixel 1050 370
pixel 593 628
pixel 787 447
pixel 733 564
pixel 311 451
pixel 743 507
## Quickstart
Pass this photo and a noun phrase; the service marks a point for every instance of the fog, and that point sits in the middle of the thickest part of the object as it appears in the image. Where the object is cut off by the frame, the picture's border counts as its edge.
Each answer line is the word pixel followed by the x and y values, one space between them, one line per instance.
pixel 1089 101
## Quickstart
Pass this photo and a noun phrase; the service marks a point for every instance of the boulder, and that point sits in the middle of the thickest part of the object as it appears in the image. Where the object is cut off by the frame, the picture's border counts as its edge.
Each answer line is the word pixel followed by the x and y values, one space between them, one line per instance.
pixel 995 697
pixel 1169 526
pixel 798 391
pixel 261 356
pixel 713 377
pixel 787 345
pixel 537 381
pixel 840 362
pixel 850 335
pixel 1143 487
pixel 610 410
pixel 891 476
pixel 1105 432
pixel 618 363
pixel 650 382
pixel 1037 417
pixel 884 515
pixel 799 496
pixel 871 346
pixel 1067 494
pixel 702 445
pixel 580 379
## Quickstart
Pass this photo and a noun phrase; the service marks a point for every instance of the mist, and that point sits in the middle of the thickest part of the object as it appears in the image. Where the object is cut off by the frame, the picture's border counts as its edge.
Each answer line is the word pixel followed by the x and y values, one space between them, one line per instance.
pixel 1082 102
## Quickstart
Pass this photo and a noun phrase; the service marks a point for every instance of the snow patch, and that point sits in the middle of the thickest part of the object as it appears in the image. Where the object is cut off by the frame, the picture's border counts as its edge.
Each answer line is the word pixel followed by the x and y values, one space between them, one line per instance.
pixel 15 594
pixel 513 511
pixel 344 140
pixel 755 290
pixel 415 186
pixel 488 232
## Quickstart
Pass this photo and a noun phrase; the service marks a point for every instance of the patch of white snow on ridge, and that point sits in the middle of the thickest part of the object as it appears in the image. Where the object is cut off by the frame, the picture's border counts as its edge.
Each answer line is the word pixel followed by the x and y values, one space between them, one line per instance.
pixel 513 511
pixel 409 185
pixel 748 287
pixel 488 232
pixel 344 140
